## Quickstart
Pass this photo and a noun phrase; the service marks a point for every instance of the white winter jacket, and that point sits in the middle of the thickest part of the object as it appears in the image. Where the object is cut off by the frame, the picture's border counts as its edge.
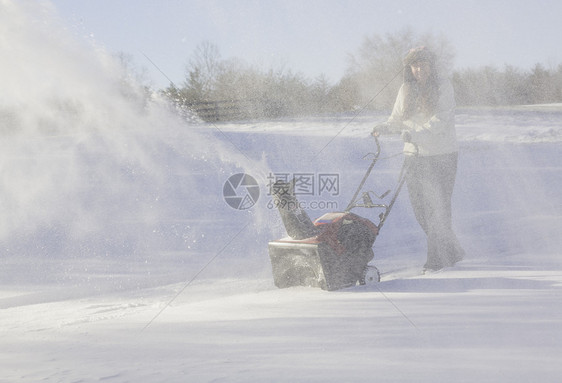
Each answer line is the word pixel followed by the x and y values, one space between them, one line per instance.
pixel 433 135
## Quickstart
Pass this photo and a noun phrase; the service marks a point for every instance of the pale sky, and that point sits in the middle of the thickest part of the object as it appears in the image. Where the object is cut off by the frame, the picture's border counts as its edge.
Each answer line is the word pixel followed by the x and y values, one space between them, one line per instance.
pixel 313 37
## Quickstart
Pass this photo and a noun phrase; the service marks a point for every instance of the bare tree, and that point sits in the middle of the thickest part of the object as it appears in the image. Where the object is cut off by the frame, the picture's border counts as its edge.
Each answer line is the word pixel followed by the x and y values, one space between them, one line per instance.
pixel 203 70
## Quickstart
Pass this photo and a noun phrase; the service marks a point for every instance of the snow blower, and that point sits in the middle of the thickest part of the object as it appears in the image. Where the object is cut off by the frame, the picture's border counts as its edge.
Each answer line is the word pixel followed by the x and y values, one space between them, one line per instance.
pixel 334 251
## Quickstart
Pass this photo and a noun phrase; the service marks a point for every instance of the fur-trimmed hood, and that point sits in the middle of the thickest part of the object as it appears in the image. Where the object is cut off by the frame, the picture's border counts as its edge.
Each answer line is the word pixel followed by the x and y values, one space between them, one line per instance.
pixel 414 55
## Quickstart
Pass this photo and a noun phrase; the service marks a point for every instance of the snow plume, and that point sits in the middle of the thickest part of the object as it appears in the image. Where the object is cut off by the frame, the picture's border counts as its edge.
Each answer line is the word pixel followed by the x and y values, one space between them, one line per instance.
pixel 90 164
pixel 507 200
pixel 509 170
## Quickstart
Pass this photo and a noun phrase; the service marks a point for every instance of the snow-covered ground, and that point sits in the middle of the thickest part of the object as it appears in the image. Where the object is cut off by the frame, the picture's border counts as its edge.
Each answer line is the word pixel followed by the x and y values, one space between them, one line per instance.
pixel 120 261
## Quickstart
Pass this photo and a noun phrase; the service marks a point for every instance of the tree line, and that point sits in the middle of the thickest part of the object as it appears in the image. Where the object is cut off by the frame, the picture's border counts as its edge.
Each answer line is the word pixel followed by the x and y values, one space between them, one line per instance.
pixel 219 89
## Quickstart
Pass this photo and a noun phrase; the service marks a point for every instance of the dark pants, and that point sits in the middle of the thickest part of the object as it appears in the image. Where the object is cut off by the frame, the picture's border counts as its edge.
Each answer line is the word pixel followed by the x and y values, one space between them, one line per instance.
pixel 430 183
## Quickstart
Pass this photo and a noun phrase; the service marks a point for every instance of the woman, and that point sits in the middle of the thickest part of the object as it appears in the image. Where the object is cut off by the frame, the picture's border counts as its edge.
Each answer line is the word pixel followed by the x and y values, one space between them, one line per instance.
pixel 424 113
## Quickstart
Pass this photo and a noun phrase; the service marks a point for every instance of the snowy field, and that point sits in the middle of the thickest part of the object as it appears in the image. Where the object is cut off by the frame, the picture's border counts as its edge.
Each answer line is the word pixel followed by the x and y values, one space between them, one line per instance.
pixel 120 261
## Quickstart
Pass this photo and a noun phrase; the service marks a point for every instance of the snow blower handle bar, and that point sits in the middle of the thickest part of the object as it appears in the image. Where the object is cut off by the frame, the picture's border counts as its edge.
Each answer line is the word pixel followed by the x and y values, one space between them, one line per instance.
pixel 401 180
pixel 367 174
pixel 400 183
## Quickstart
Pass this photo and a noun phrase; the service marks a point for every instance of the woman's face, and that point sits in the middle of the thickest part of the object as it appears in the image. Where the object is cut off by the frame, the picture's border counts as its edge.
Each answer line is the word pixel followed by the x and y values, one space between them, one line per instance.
pixel 421 71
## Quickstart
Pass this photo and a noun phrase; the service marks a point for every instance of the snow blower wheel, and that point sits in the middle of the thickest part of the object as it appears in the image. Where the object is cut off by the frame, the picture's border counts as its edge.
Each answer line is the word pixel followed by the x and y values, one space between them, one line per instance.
pixel 370 275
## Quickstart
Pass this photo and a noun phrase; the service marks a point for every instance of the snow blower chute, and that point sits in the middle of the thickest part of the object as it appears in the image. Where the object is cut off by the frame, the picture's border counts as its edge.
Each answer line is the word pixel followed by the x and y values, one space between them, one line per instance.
pixel 334 251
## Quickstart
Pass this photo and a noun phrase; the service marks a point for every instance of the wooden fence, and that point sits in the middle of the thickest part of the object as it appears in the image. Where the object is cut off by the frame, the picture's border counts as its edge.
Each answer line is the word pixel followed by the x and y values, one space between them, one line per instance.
pixel 227 110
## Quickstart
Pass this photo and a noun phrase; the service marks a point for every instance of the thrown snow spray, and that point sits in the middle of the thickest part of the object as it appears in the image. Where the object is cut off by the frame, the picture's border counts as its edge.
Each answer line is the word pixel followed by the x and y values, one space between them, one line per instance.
pixel 92 166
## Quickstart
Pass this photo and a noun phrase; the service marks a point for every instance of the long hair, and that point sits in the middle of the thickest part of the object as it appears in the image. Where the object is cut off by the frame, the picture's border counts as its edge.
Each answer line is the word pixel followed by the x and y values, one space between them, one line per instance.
pixel 420 98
